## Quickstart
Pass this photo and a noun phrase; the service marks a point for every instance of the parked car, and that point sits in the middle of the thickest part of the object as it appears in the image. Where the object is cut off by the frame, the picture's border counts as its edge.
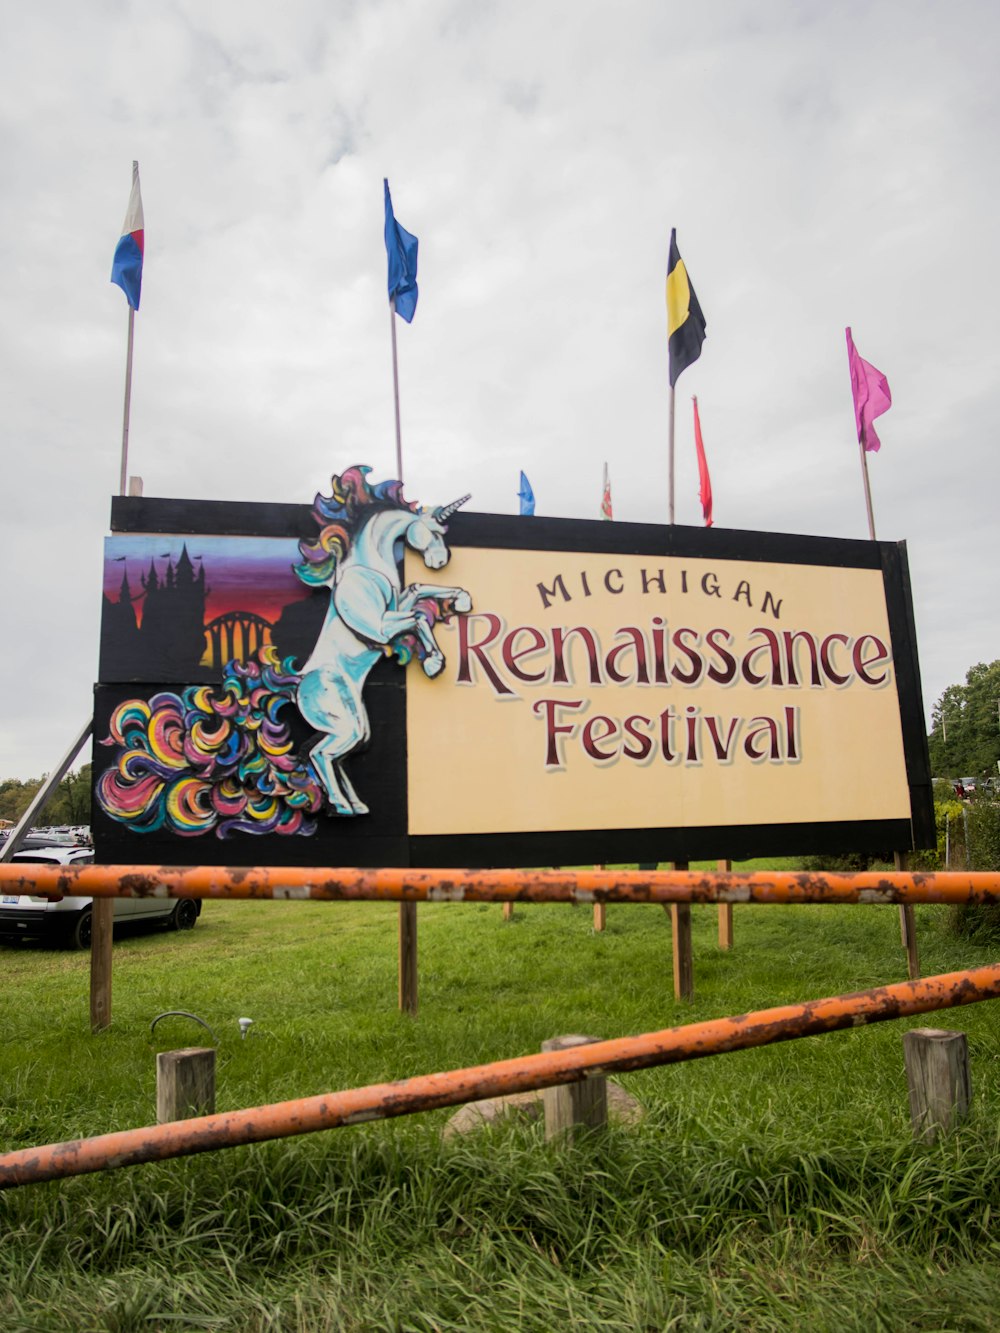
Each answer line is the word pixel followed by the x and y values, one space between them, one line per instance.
pixel 70 919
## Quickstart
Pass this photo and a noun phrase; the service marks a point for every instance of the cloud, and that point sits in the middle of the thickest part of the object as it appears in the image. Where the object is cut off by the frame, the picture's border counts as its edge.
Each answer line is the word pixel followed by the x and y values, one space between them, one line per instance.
pixel 824 166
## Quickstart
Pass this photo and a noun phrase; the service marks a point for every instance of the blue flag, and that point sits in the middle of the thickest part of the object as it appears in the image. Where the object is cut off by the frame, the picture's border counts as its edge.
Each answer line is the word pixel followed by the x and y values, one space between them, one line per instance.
pixel 527 497
pixel 401 248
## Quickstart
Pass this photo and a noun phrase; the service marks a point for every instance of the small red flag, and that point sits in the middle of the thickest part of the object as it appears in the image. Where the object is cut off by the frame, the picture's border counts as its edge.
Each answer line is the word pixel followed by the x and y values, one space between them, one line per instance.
pixel 704 480
pixel 606 496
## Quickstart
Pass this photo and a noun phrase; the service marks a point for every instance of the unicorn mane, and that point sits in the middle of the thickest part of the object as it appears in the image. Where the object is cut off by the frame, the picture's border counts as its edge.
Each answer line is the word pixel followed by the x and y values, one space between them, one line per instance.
pixel 212 757
pixel 341 515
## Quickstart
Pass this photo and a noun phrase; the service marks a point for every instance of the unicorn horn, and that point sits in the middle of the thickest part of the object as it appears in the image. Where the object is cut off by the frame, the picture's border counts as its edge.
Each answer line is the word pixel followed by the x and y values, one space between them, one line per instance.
pixel 444 512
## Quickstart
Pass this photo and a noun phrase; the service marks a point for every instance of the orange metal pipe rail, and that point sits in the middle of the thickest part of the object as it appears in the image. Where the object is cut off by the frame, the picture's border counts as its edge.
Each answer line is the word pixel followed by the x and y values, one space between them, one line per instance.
pixel 428 1092
pixel 484 886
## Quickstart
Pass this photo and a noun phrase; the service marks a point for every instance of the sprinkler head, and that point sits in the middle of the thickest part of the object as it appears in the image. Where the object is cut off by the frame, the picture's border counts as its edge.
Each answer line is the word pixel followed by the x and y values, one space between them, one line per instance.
pixel 245 1026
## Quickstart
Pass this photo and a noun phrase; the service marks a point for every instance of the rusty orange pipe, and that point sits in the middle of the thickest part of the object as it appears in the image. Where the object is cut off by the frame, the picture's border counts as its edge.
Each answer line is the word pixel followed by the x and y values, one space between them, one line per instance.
pixel 483 886
pixel 427 1092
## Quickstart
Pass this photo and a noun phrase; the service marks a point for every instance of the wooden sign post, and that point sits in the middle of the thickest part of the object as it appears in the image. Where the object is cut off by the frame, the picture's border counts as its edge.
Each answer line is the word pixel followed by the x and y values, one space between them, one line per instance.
pixel 725 913
pixel 680 922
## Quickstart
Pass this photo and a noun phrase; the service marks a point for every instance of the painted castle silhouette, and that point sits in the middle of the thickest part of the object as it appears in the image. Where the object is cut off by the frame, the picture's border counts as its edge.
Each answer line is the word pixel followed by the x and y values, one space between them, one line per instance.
pixel 171 637
pixel 172 641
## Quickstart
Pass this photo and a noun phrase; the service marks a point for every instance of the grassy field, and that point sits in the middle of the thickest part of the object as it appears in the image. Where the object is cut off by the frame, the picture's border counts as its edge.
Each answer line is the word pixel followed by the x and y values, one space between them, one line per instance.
pixel 770 1189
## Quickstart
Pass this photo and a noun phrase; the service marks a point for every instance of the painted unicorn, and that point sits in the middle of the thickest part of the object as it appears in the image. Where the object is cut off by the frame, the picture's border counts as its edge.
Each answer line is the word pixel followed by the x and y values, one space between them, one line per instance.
pixel 370 615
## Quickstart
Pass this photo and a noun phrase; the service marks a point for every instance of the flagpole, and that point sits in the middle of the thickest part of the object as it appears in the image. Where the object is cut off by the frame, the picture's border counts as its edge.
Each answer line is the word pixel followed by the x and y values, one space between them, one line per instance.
pixel 123 480
pixel 401 251
pixel 907 918
pixel 868 489
pixel 671 453
pixel 870 391
pixel 128 402
pixel 395 389
pixel 407 914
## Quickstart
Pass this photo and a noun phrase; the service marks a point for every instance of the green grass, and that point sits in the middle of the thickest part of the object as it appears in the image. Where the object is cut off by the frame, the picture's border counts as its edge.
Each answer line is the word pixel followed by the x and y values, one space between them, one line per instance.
pixel 770 1189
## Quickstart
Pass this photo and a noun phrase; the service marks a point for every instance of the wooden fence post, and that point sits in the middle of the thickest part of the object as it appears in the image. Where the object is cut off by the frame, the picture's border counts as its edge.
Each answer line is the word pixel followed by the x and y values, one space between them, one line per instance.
pixel 185 1083
pixel 508 911
pixel 938 1079
pixel 573 1107
pixel 725 913
pixel 908 927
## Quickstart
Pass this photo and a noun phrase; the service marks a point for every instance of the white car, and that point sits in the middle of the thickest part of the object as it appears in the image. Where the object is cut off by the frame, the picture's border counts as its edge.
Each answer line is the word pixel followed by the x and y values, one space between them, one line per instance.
pixel 70 919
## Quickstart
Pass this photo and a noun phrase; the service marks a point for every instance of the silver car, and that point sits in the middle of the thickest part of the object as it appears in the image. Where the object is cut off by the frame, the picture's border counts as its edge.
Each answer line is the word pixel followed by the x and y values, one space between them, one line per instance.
pixel 71 919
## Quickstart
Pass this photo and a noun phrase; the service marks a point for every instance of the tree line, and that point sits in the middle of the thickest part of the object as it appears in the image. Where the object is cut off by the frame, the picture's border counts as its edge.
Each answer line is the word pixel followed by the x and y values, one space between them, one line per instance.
pixel 69 803
pixel 964 740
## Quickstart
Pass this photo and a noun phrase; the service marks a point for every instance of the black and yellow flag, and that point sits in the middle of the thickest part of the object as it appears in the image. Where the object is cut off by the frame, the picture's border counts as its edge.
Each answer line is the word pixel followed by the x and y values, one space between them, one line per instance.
pixel 685 322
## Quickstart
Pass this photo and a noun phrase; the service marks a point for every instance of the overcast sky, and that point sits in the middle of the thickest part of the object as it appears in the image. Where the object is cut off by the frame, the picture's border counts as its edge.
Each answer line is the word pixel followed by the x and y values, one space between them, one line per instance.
pixel 824 165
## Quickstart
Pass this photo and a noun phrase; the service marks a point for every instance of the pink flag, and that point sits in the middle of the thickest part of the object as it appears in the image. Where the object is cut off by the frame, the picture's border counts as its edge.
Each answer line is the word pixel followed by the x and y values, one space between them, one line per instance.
pixel 704 480
pixel 871 396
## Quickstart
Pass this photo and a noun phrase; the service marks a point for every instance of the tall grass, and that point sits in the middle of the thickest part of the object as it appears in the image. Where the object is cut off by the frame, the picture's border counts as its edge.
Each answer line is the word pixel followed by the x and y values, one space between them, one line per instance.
pixel 767 1189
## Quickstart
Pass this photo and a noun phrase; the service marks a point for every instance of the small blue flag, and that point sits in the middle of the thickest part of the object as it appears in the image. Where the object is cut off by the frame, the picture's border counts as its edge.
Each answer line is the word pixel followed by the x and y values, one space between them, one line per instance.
pixel 527 497
pixel 401 248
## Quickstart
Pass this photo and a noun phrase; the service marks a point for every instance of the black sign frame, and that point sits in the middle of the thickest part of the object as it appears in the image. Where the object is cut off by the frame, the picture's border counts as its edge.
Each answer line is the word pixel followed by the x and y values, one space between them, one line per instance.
pixel 383 837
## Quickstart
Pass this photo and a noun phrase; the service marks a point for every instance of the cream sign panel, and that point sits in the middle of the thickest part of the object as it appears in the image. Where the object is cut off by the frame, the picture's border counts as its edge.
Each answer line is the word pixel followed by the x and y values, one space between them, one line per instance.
pixel 588 691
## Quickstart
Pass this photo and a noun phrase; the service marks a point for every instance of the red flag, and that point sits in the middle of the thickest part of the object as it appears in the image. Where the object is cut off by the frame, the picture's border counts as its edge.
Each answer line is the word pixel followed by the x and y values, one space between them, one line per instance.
pixel 704 480
pixel 606 496
pixel 871 396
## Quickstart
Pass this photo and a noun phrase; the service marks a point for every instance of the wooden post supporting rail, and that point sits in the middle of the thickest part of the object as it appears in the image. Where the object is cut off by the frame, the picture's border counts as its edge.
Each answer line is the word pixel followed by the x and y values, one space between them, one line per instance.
pixel 102 923
pixel 600 909
pixel 680 922
pixel 725 913
pixel 572 1107
pixel 937 1075
pixel 185 1084
pixel 408 958
pixel 908 927
pixel 508 911
pixel 651 865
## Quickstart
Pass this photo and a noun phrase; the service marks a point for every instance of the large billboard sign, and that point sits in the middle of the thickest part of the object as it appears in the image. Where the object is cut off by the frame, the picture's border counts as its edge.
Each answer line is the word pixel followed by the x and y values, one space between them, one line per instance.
pixel 374 683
